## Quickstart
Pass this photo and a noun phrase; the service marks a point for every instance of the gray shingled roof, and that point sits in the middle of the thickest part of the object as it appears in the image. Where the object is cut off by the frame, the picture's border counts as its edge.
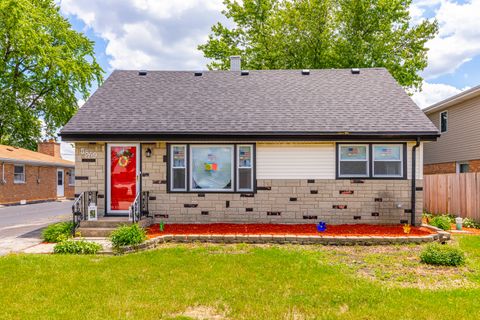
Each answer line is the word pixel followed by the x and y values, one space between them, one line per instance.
pixel 263 102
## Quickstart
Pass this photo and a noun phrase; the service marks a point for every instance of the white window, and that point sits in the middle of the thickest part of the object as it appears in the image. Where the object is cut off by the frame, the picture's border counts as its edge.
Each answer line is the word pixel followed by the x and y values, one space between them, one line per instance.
pixel 211 167
pixel 353 160
pixel 178 170
pixel 19 173
pixel 388 160
pixel 443 121
pixel 245 168
pixel 71 177
pixel 463 167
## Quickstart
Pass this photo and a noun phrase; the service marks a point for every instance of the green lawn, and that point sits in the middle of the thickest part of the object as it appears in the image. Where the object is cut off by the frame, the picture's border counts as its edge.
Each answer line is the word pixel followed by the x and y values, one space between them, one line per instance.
pixel 242 282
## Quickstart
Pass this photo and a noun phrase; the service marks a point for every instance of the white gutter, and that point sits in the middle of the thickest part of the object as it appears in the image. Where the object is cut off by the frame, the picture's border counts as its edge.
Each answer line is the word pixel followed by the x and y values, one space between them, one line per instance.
pixel 37 163
pixel 462 96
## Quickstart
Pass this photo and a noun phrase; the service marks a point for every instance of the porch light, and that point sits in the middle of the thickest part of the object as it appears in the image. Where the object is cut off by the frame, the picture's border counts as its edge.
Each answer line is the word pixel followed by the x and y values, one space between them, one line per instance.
pixel 148 153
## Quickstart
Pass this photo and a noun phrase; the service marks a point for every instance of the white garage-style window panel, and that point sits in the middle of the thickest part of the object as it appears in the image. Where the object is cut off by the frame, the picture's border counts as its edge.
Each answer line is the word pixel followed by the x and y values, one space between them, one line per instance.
pixel 211 168
pixel 353 160
pixel 245 168
pixel 19 173
pixel 388 160
pixel 178 170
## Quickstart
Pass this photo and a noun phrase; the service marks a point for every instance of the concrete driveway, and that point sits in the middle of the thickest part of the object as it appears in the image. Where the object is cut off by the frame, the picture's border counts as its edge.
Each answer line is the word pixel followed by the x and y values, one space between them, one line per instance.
pixel 21 226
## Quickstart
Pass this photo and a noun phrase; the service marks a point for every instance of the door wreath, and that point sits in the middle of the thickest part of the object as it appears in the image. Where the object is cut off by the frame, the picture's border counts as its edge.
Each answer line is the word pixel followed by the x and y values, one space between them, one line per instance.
pixel 124 157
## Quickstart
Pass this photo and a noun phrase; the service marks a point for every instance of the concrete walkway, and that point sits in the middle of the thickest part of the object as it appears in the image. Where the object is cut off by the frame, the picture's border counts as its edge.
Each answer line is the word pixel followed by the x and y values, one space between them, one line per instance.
pixel 48 247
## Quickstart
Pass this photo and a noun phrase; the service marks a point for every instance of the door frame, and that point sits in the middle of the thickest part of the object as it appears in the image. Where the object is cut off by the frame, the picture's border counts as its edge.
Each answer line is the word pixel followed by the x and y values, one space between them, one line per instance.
pixel 63 183
pixel 108 177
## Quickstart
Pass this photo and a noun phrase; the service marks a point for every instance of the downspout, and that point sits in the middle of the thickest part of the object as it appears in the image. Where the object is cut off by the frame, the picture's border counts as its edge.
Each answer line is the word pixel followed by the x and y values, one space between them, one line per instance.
pixel 414 182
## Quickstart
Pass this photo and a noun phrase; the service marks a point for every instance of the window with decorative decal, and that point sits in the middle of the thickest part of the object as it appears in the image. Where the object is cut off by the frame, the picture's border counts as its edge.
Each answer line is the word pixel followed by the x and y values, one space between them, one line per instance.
pixel 371 160
pixel 178 170
pixel 353 160
pixel 19 173
pixel 211 168
pixel 388 160
pixel 245 168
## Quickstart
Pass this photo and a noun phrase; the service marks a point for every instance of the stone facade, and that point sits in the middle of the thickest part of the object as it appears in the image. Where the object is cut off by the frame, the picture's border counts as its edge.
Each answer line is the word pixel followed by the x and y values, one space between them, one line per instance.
pixel 450 167
pixel 276 200
pixel 90 171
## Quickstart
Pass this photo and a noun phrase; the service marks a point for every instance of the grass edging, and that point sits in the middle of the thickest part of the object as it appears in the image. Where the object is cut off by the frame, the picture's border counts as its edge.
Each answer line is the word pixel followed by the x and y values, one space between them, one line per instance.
pixel 282 239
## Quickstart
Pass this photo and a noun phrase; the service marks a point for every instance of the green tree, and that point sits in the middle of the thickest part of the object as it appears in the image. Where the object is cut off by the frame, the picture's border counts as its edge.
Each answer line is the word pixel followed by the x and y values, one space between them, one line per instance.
pixel 293 34
pixel 44 66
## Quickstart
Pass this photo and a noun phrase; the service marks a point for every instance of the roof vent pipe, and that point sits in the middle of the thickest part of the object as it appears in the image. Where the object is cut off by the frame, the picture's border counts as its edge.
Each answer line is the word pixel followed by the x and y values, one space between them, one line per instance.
pixel 355 71
pixel 142 72
pixel 235 63
pixel 244 73
pixel 305 72
pixel 198 73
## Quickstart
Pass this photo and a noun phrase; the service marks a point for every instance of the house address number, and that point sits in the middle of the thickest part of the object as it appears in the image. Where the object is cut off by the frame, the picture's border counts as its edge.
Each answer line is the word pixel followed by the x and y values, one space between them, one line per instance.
pixel 88 154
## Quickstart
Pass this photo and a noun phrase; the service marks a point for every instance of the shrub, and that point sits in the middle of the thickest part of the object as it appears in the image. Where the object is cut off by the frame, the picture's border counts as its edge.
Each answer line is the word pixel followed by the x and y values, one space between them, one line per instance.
pixel 76 247
pixel 442 222
pixel 469 223
pixel 442 255
pixel 58 232
pixel 128 235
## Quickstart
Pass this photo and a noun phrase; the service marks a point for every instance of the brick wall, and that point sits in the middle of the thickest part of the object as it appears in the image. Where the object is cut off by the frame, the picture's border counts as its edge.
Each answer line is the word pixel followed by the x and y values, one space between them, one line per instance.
pixel 51 148
pixel 450 167
pixel 40 185
pixel 474 165
pixel 435 168
pixel 278 200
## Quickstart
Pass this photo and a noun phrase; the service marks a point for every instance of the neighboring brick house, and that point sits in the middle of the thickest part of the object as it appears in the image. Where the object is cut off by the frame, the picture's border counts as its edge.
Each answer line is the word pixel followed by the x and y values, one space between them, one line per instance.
pixel 27 176
pixel 458 148
pixel 284 146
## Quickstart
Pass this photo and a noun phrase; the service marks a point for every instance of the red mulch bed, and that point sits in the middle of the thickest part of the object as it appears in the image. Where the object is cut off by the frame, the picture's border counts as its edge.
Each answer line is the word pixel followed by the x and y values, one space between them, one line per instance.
pixel 296 229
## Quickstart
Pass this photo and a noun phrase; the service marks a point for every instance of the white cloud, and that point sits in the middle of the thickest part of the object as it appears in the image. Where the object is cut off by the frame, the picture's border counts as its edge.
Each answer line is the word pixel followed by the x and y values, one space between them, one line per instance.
pixel 67 151
pixel 433 93
pixel 458 40
pixel 149 34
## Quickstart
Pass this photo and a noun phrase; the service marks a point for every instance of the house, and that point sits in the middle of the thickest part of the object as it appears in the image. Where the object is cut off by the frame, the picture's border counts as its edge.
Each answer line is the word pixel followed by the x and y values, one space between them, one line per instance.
pixel 266 146
pixel 28 176
pixel 458 148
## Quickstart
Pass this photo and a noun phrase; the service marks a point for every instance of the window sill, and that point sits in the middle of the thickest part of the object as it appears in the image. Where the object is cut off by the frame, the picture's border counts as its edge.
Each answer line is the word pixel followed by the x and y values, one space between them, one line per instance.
pixel 371 178
pixel 19 182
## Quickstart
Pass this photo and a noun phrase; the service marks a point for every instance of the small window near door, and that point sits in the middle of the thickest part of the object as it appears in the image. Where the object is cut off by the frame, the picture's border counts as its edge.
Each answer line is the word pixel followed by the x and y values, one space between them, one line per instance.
pixel 179 168
pixel 245 168
pixel 19 173
pixel 443 121
pixel 463 167
pixel 71 177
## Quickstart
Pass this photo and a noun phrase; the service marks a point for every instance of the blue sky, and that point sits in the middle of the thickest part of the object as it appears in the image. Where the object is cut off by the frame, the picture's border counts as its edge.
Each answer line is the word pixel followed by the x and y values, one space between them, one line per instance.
pixel 164 34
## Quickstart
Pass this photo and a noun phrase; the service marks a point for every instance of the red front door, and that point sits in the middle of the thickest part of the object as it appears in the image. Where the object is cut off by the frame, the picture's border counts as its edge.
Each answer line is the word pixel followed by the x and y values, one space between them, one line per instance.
pixel 123 177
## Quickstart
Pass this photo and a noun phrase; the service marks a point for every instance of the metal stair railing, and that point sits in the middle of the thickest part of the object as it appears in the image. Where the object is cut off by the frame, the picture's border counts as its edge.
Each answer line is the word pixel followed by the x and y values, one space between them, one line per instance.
pixel 139 208
pixel 80 208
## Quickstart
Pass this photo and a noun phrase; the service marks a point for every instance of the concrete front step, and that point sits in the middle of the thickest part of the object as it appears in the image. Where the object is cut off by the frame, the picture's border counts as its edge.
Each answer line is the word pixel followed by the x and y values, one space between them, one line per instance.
pixel 105 223
pixel 94 232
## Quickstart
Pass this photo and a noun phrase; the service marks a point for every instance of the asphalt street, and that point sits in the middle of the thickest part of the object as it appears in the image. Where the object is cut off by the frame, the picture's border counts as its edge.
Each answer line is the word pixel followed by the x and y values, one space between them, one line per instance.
pixel 21 226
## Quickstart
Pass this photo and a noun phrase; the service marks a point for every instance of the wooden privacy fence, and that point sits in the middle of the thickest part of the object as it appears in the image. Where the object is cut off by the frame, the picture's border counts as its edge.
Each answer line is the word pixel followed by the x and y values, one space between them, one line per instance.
pixel 456 193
